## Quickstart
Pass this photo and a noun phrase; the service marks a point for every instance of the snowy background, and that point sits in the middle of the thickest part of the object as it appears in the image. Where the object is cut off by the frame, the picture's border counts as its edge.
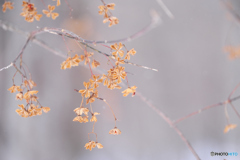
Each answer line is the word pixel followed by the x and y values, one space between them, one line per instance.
pixel 194 72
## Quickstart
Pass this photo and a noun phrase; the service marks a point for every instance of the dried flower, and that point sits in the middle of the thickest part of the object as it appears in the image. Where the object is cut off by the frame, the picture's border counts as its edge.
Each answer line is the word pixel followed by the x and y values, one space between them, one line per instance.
pixel 99 145
pixel 81 119
pixel 94 118
pixel 86 57
pixel 74 61
pixel 234 52
pixel 112 20
pixel 91 99
pixel 45 109
pixel 29 83
pixel 90 145
pixel 30 12
pixel 34 110
pixel 115 131
pixel 95 80
pixel 132 52
pixel 229 127
pixel 119 61
pixel 7 5
pixel 22 112
pixel 19 96
pixel 104 9
pixel 95 63
pixel 58 2
pixel 129 90
pixel 50 13
pixel 15 88
pixel 28 94
pixel 117 49
pixel 81 110
pixel 119 74
pixel 86 91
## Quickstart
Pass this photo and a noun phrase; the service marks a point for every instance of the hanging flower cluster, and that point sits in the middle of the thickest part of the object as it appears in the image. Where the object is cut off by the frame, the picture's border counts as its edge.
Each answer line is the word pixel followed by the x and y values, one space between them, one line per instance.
pixel 112 80
pixel 25 92
pixel 29 10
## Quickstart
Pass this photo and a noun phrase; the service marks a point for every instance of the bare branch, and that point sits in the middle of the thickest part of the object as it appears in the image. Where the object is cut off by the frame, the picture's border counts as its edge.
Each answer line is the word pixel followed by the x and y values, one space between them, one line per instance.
pixel 10 65
pixel 165 9
pixel 69 34
pixel 230 9
pixel 170 122
pixel 206 108
pixel 155 21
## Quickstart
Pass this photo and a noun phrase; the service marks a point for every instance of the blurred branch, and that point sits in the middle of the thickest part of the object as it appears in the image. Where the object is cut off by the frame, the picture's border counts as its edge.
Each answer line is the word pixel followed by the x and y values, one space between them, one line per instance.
pixel 170 122
pixel 229 100
pixel 230 9
pixel 165 9
pixel 10 65
pixel 63 32
pixel 155 21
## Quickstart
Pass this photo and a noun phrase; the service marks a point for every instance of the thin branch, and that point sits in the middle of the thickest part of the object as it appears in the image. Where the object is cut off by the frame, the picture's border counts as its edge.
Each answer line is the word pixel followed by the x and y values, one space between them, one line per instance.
pixel 233 91
pixel 230 9
pixel 170 122
pixel 206 108
pixel 165 9
pixel 10 65
pixel 25 45
pixel 155 21
pixel 110 56
pixel 235 110
pixel 62 32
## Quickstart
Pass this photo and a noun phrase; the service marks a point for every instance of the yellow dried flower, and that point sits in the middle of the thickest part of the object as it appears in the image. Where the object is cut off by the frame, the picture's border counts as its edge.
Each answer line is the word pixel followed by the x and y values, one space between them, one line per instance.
pixel 132 52
pixel 19 96
pixel 58 2
pixel 99 146
pixel 115 131
pixel 74 61
pixel 129 90
pixel 95 63
pixel 90 145
pixel 229 127
pixel 95 80
pixel 30 12
pixel 117 49
pixel 81 110
pixel 15 88
pixel 86 91
pixel 112 20
pixel 104 9
pixel 45 109
pixel 94 118
pixel 50 13
pixel 7 5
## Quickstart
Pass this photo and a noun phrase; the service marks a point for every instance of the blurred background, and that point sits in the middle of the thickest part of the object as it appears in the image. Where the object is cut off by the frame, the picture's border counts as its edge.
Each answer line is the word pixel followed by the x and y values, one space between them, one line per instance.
pixel 194 72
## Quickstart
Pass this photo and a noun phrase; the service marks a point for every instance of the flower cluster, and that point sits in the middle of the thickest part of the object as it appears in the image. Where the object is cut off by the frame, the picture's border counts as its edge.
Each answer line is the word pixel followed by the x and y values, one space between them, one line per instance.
pixel 234 52
pixel 29 11
pixel 112 80
pixel 104 10
pixel 229 127
pixel 30 97
pixel 7 5
pixel 74 61
pixel 50 13
pixel 93 144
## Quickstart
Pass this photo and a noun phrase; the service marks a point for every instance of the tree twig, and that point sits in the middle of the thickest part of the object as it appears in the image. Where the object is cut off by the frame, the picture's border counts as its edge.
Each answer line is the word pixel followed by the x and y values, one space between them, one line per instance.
pixel 170 122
